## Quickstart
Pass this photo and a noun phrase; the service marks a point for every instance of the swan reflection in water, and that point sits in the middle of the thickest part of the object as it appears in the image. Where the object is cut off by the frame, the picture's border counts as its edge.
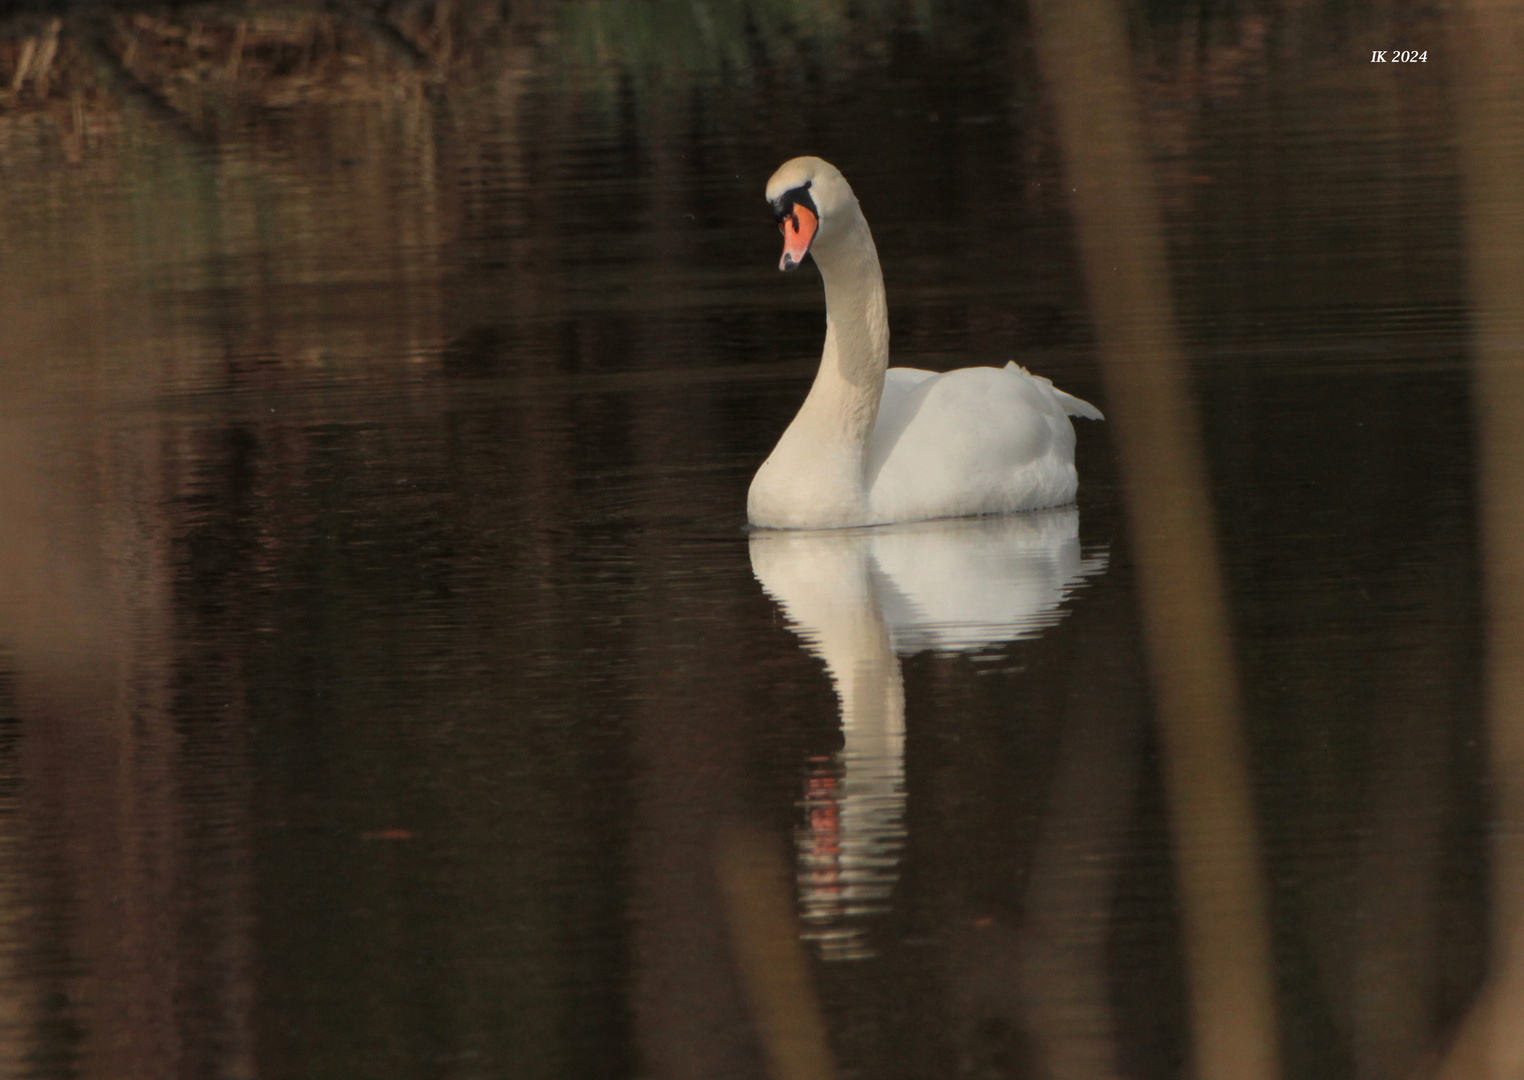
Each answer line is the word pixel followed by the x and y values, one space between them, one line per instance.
pixel 861 599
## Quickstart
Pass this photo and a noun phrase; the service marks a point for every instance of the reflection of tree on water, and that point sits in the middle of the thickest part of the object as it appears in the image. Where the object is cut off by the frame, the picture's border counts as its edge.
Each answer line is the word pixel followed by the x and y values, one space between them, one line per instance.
pixel 860 599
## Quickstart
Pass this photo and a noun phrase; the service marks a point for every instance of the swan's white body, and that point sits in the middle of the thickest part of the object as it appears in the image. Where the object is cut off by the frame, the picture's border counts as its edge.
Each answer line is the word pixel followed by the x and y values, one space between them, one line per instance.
pixel 872 444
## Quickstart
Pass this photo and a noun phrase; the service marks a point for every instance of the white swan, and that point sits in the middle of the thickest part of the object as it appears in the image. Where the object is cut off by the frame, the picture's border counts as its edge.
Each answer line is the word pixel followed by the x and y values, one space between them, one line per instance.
pixel 874 444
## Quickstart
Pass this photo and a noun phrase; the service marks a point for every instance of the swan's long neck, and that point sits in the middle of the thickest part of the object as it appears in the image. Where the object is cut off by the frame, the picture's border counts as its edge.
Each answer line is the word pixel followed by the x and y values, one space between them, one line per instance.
pixel 843 402
pixel 814 477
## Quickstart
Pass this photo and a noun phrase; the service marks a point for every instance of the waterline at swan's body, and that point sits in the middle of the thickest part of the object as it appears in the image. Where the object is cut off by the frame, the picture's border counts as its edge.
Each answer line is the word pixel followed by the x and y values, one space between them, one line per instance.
pixel 872 444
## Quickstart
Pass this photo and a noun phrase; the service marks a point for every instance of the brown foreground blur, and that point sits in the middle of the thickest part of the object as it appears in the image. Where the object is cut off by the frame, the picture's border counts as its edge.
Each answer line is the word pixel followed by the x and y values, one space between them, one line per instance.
pixel 1489 36
pixel 1183 607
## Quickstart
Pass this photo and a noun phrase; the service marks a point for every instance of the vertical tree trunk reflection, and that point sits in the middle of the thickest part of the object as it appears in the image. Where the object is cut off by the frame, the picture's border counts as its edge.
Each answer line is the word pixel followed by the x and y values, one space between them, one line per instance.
pixel 1063 956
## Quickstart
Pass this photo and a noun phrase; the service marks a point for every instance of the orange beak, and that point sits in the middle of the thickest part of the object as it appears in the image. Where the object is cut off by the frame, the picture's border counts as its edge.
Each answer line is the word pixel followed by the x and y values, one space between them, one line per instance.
pixel 798 234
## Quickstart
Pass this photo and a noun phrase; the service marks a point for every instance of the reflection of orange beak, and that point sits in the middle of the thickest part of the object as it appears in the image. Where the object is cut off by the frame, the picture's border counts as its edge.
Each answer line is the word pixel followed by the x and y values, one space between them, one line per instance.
pixel 798 234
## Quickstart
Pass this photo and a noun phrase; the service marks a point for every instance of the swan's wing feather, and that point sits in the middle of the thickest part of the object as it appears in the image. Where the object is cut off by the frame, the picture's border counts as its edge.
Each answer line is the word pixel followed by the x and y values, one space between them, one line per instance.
pixel 969 441
pixel 1072 405
pixel 1077 407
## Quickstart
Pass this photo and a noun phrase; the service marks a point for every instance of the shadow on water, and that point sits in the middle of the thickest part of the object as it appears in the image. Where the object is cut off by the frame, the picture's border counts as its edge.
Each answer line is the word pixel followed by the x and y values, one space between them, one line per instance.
pixel 386 686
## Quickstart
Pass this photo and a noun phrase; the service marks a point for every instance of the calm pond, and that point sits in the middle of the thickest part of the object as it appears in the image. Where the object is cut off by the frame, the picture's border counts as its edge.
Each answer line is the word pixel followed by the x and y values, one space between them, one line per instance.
pixel 390 685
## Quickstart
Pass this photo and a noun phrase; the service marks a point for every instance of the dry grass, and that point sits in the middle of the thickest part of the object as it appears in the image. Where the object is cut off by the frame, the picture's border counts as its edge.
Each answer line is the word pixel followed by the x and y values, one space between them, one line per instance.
pixel 197 65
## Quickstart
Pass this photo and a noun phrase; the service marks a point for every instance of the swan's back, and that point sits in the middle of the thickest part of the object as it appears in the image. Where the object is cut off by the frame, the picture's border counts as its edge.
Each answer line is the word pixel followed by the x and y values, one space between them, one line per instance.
pixel 970 441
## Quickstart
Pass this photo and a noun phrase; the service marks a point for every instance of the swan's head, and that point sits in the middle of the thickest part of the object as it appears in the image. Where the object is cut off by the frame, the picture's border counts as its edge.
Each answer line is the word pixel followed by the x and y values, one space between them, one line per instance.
pixel 805 194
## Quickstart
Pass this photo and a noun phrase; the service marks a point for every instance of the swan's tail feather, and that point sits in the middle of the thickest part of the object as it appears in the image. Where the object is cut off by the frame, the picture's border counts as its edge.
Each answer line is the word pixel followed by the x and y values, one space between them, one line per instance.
pixel 1072 405
pixel 1076 407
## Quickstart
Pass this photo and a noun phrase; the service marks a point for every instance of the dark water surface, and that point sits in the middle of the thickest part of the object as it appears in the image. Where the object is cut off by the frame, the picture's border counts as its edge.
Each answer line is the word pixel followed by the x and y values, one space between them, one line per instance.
pixel 384 660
